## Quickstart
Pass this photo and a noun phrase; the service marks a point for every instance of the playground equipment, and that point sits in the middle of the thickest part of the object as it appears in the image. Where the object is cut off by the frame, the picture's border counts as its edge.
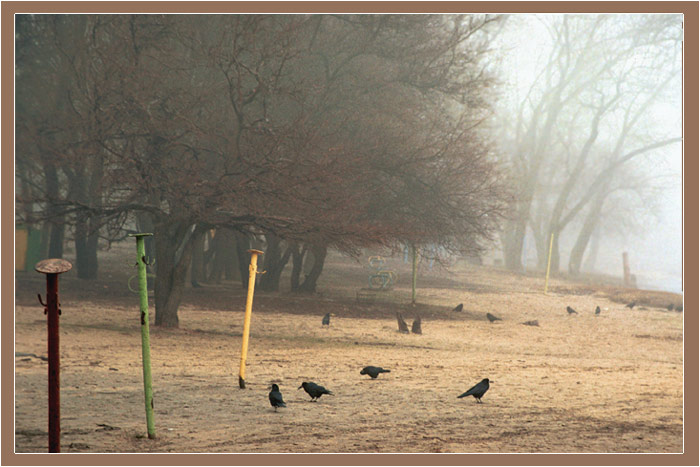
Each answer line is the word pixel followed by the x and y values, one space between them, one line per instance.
pixel 252 271
pixel 145 338
pixel 52 268
pixel 382 279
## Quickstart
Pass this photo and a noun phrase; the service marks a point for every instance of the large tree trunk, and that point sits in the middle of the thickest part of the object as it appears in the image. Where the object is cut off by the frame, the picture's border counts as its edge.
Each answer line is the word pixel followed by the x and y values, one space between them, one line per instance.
pixel 56 223
pixel 274 263
pixel 197 273
pixel 85 249
pixel 298 255
pixel 309 284
pixel 584 236
pixel 173 256
pixel 223 258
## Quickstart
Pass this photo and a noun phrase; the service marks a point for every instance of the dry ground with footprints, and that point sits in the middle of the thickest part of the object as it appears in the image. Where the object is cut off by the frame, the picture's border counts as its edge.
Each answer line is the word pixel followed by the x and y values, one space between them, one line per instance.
pixel 580 383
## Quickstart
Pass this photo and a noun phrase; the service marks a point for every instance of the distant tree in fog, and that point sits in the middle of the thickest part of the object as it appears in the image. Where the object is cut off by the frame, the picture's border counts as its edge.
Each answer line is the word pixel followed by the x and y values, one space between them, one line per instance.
pixel 587 117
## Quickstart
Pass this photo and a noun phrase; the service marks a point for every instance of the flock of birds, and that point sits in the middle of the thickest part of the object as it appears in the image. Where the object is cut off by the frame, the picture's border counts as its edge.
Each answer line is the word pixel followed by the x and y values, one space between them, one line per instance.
pixel 477 391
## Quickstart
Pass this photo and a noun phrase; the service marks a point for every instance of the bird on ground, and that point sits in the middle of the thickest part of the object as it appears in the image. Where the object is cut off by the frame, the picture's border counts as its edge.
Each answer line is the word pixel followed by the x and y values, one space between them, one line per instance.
pixel 597 310
pixel 670 307
pixel 533 322
pixel 492 318
pixel 415 327
pixel 373 371
pixel 326 321
pixel 570 310
pixel 314 390
pixel 631 305
pixel 477 390
pixel 403 327
pixel 276 397
pixel 458 307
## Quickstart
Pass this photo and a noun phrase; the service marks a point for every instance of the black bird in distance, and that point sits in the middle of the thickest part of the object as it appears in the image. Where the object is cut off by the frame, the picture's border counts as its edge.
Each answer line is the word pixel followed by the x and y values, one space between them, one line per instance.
pixel 571 311
pixel 477 390
pixel 492 318
pixel 597 310
pixel 415 327
pixel 326 321
pixel 403 327
pixel 373 371
pixel 631 305
pixel 276 397
pixel 314 390
pixel 458 307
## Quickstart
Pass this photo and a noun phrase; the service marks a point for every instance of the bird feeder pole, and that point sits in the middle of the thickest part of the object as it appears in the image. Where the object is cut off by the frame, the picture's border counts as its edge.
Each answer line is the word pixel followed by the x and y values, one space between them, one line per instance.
pixel 145 335
pixel 549 262
pixel 52 268
pixel 252 271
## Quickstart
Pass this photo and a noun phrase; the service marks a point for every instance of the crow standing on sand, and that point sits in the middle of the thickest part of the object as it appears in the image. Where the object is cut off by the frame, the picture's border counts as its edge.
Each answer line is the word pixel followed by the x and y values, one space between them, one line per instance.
pixel 276 397
pixel 326 321
pixel 492 318
pixel 373 371
pixel 403 327
pixel 570 310
pixel 458 307
pixel 415 327
pixel 597 310
pixel 478 390
pixel 314 390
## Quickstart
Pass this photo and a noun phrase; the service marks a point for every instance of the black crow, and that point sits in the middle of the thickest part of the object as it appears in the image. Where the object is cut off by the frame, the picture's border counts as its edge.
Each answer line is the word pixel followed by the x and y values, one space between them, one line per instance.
pixel 276 397
pixel 415 327
pixel 533 322
pixel 373 371
pixel 326 321
pixel 492 318
pixel 631 305
pixel 458 307
pixel 403 327
pixel 314 390
pixel 570 310
pixel 670 307
pixel 478 390
pixel 597 310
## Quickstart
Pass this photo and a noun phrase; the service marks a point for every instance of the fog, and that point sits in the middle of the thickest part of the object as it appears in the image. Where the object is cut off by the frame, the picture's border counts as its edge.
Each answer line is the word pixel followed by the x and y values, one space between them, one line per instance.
pixel 643 215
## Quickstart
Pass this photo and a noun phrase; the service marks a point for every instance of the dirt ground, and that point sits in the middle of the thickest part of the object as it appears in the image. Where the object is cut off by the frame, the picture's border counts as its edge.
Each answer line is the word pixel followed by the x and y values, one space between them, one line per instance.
pixel 580 383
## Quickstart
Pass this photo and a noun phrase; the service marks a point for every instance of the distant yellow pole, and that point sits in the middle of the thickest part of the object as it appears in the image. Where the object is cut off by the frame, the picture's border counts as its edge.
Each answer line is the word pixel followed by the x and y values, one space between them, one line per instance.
pixel 252 271
pixel 549 261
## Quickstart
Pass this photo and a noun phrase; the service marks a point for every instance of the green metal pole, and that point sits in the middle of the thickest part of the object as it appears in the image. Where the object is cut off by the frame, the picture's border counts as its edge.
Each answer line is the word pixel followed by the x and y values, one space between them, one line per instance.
pixel 413 289
pixel 145 339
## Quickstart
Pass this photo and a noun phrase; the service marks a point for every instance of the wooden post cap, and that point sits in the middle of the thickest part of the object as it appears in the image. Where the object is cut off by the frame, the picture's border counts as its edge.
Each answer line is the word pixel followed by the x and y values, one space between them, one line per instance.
pixel 255 251
pixel 140 235
pixel 53 266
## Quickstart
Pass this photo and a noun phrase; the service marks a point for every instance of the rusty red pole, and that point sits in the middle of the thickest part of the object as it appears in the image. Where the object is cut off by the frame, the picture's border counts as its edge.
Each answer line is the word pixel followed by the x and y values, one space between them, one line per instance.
pixel 52 268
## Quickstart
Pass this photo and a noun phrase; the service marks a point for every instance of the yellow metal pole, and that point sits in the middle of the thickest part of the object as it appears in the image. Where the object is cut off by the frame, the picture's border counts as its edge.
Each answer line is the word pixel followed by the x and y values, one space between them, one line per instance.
pixel 549 261
pixel 252 270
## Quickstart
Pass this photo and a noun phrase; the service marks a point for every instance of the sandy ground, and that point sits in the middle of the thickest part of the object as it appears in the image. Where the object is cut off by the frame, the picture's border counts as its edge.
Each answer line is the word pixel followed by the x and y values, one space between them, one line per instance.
pixel 581 383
